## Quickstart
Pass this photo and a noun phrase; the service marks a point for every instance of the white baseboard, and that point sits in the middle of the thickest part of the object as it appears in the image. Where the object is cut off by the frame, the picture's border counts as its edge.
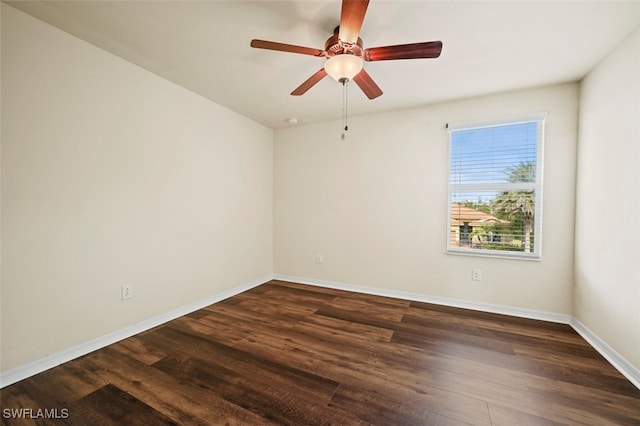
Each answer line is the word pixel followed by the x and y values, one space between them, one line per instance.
pixel 417 297
pixel 614 358
pixel 24 371
pixel 38 366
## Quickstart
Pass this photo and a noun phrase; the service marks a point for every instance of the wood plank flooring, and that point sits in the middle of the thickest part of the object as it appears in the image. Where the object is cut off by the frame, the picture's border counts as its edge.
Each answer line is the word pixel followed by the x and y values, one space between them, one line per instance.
pixel 290 354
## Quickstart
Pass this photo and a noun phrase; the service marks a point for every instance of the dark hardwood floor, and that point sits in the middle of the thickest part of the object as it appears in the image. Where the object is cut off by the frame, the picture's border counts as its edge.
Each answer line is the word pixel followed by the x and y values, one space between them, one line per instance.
pixel 286 353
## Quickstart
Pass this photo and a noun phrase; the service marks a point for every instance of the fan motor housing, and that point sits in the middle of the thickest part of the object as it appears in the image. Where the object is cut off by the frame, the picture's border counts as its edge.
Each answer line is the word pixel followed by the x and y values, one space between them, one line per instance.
pixel 334 46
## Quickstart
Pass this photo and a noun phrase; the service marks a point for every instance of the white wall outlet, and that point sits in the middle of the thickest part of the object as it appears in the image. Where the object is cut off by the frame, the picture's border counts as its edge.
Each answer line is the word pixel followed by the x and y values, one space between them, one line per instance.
pixel 319 259
pixel 127 291
pixel 476 274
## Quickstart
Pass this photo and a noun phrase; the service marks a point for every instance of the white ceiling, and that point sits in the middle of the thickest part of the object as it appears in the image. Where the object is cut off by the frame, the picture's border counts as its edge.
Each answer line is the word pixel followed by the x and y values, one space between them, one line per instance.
pixel 488 47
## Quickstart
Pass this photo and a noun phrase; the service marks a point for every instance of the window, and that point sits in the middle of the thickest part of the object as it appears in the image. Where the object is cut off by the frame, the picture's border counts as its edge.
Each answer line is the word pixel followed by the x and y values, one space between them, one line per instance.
pixel 495 188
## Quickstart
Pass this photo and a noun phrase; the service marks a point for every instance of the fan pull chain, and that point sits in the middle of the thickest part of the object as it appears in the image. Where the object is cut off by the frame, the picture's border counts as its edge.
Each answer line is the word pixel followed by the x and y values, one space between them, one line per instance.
pixel 345 105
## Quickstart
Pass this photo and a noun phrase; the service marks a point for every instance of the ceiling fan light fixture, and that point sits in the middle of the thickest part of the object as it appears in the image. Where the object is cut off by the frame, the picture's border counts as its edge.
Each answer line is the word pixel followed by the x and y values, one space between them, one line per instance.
pixel 345 54
pixel 343 67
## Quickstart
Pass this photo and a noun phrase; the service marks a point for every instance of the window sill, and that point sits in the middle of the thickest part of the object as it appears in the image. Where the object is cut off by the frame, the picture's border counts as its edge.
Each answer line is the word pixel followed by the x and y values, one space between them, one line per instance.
pixel 495 254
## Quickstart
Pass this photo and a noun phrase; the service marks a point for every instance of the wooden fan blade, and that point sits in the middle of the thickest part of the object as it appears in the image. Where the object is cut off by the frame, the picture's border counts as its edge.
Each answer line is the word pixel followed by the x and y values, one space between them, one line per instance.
pixel 351 18
pixel 368 86
pixel 311 81
pixel 283 47
pixel 428 49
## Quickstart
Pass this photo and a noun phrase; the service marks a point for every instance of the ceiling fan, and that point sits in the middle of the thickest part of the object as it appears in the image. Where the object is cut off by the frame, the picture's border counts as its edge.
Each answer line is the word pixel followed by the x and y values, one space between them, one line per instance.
pixel 345 54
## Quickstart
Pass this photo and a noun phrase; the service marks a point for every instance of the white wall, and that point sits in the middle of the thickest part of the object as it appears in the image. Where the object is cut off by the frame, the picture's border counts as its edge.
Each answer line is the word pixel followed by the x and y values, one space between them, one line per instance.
pixel 112 175
pixel 607 292
pixel 375 204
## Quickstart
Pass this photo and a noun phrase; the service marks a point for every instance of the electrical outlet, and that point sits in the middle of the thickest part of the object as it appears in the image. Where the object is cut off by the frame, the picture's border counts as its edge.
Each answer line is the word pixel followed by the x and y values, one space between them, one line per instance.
pixel 127 291
pixel 476 274
pixel 319 259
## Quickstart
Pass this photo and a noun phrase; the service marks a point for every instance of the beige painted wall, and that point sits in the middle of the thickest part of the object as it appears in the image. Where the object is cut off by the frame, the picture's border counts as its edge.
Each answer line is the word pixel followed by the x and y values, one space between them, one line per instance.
pixel 375 204
pixel 112 175
pixel 607 292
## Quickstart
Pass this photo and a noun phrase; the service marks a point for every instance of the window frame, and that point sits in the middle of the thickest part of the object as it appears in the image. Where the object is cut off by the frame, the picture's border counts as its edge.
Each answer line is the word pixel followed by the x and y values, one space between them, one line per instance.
pixel 537 186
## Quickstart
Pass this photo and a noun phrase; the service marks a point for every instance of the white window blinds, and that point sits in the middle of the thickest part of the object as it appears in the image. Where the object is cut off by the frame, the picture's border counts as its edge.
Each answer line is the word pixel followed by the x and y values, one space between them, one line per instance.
pixel 495 188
